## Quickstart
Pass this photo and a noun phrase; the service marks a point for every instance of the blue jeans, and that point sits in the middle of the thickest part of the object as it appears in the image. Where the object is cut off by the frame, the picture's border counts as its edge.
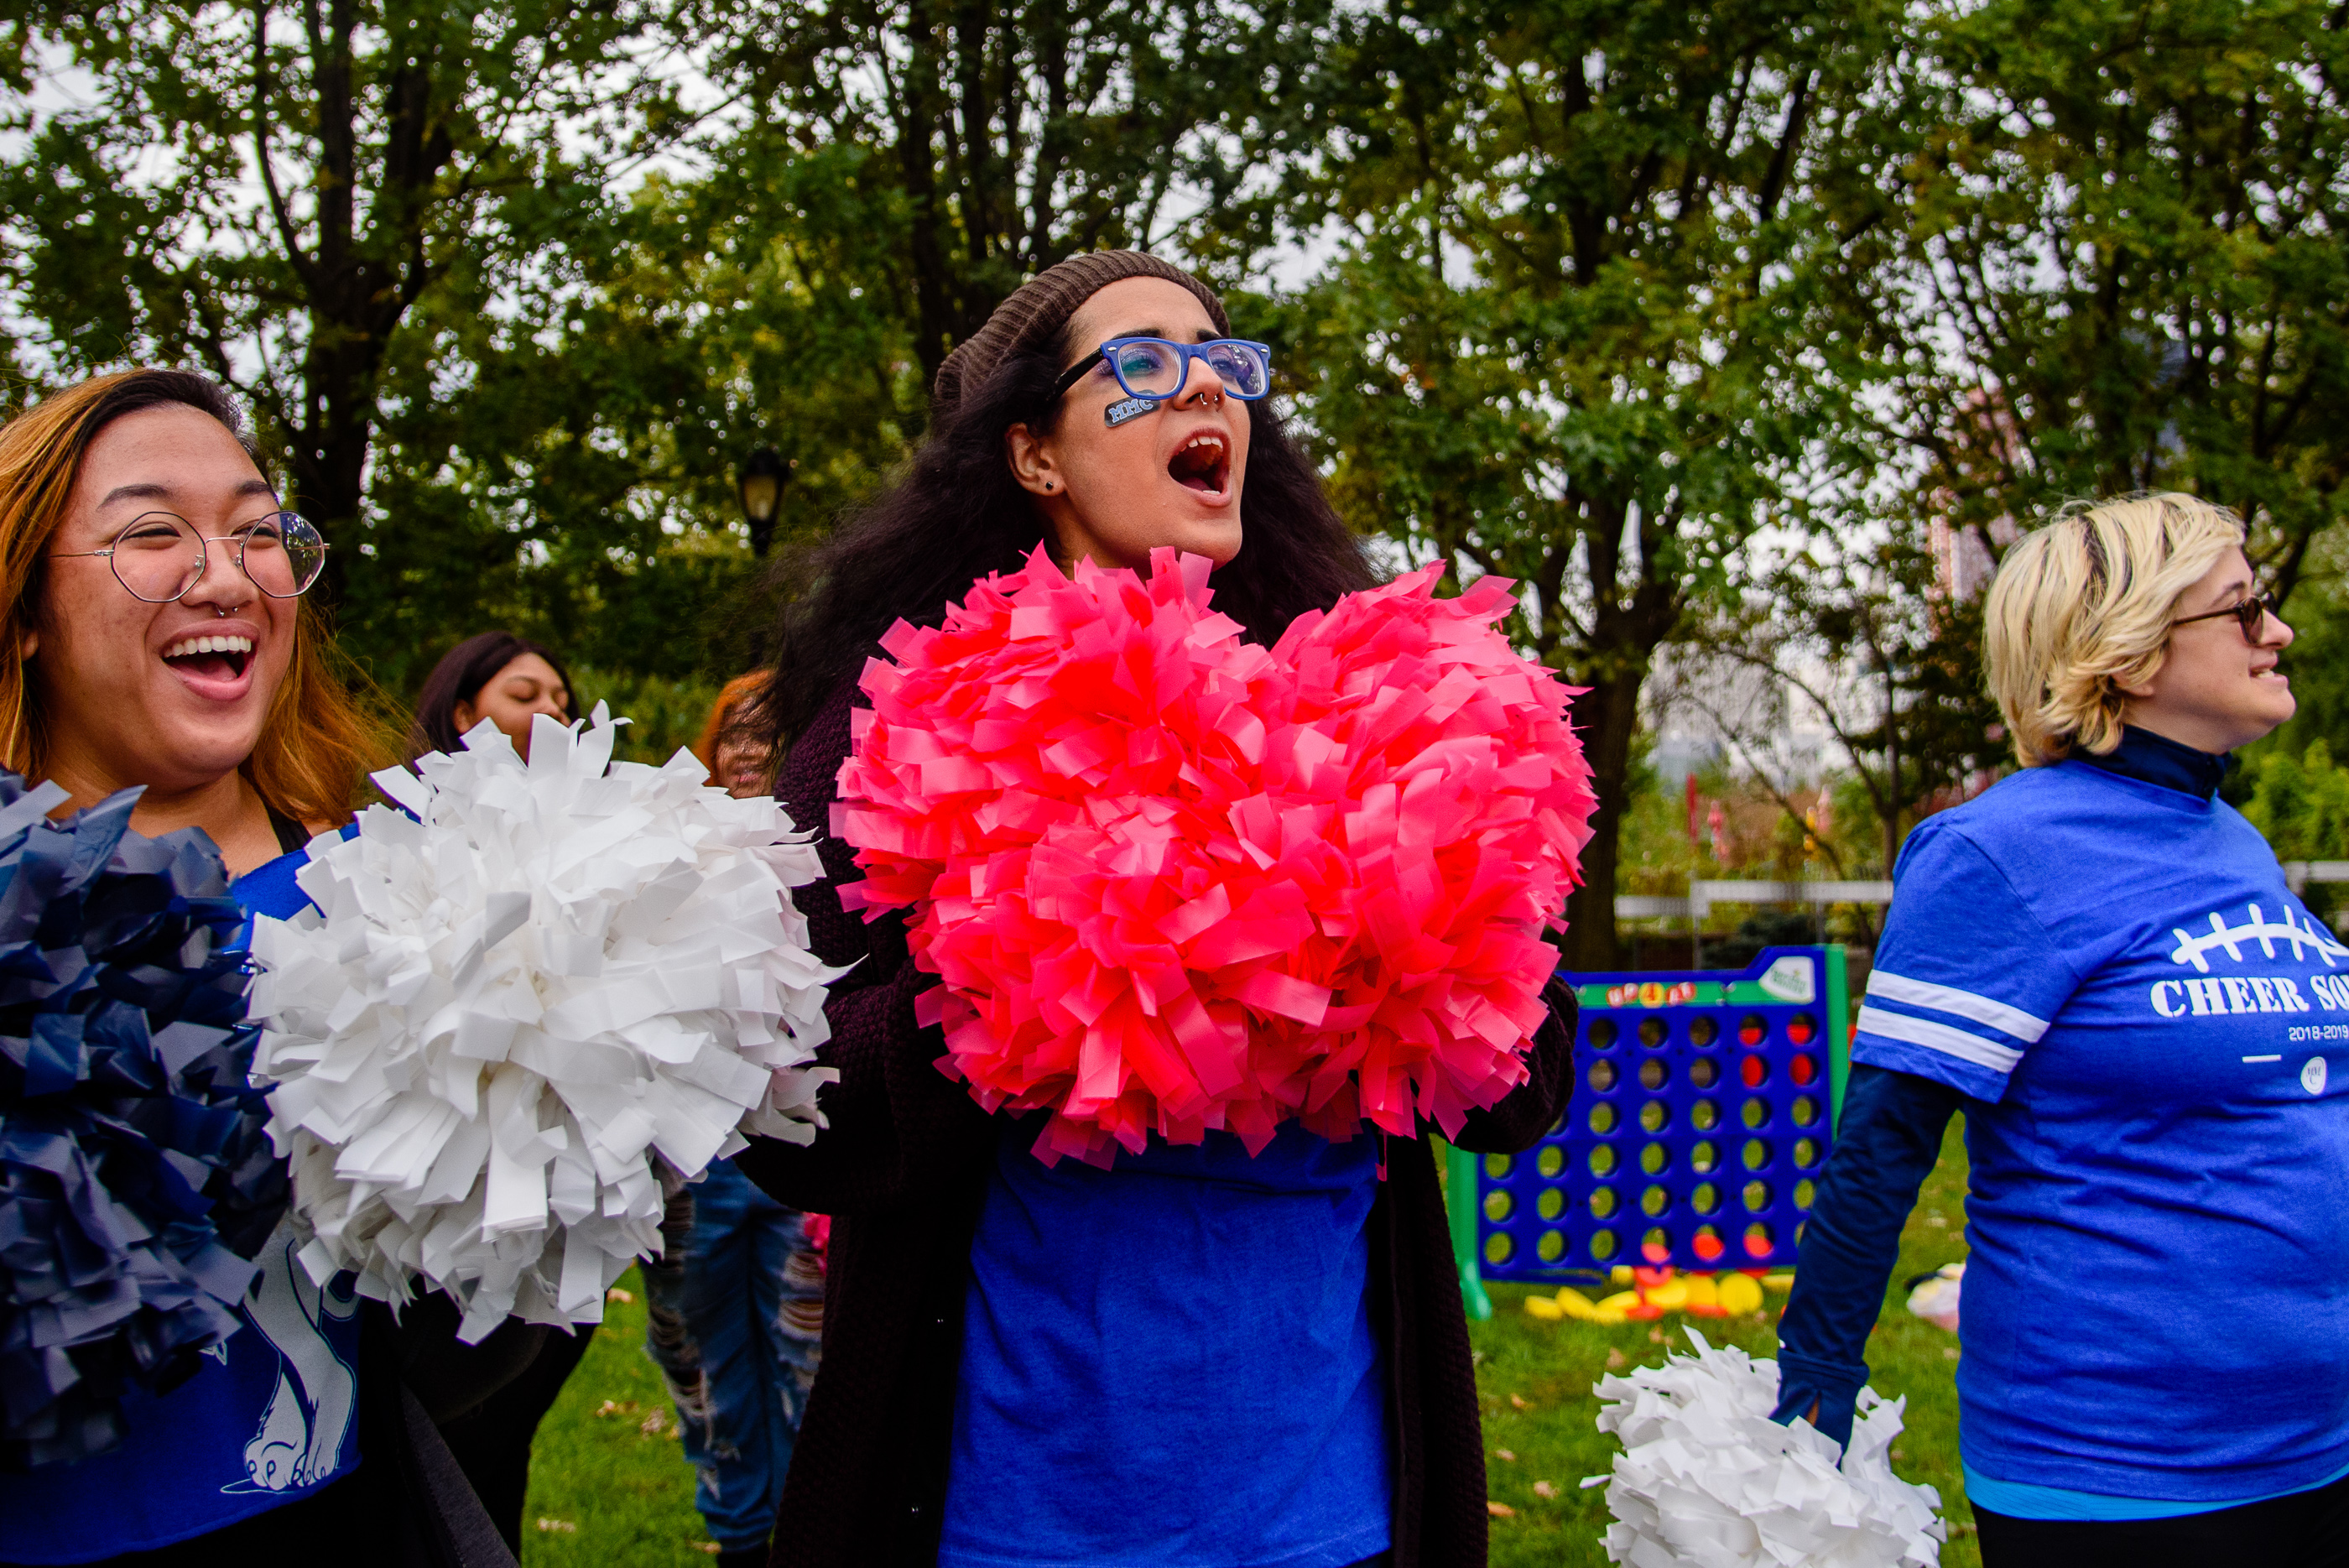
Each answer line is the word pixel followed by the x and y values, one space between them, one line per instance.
pixel 735 1313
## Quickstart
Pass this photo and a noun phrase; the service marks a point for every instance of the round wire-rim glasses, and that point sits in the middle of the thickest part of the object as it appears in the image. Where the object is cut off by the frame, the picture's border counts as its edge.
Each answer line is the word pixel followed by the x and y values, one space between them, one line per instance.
pixel 159 555
pixel 2251 615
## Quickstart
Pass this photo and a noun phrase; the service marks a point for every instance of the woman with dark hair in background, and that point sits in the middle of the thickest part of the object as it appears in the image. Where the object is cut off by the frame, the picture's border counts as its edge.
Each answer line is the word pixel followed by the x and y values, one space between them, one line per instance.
pixel 496 676
pixel 1195 1357
pixel 508 680
pixel 157 637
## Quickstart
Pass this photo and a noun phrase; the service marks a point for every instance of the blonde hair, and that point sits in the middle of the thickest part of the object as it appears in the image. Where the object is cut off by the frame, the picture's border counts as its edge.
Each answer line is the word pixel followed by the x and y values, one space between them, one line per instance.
pixel 316 746
pixel 2083 606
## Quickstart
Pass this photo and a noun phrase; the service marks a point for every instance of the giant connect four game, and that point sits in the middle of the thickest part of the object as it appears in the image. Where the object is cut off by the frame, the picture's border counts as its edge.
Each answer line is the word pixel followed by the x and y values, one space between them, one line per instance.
pixel 1703 1110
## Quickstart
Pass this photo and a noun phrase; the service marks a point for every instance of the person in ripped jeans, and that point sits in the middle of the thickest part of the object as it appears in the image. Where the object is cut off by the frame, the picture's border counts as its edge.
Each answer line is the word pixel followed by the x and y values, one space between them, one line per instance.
pixel 735 1303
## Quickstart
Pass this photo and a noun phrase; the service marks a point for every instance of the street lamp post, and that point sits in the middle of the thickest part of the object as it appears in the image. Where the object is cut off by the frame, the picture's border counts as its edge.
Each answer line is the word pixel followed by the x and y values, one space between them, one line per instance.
pixel 762 495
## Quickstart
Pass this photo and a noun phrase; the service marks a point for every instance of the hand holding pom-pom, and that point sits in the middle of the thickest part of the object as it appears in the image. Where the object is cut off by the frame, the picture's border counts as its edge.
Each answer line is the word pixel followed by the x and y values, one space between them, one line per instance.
pixel 135 1175
pixel 517 1012
pixel 1174 882
pixel 1707 1479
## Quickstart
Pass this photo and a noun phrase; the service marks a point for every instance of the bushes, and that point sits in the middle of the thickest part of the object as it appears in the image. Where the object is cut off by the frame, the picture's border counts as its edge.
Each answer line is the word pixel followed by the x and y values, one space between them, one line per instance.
pixel 666 713
pixel 2301 804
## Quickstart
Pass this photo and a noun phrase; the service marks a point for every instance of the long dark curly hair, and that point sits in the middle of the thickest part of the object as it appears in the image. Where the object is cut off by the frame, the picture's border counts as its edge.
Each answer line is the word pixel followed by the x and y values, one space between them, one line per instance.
pixel 956 514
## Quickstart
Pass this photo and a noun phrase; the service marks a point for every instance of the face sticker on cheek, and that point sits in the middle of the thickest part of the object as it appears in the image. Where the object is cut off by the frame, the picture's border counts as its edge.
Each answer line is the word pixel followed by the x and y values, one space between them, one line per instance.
pixel 1118 413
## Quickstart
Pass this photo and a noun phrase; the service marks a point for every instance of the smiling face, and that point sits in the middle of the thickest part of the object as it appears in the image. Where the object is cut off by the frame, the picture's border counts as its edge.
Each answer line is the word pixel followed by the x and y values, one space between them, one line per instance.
pixel 2216 690
pixel 527 687
pixel 740 769
pixel 170 695
pixel 1168 477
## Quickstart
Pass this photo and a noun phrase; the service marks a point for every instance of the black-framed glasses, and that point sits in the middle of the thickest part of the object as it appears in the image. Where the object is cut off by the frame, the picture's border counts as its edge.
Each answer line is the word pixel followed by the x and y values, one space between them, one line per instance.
pixel 1157 368
pixel 159 555
pixel 2251 615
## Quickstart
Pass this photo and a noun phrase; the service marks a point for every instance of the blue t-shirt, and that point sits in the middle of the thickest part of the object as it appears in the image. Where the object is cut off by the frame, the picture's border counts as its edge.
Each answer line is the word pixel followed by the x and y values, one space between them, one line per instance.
pixel 2158 1290
pixel 270 1416
pixel 1171 1363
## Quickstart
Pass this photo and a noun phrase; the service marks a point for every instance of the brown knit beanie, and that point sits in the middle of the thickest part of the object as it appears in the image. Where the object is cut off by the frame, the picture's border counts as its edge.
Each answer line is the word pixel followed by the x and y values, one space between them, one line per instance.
pixel 1042 306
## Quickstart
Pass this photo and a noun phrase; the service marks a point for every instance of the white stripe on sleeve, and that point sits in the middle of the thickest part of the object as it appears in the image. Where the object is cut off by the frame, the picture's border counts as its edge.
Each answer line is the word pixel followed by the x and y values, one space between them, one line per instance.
pixel 1964 1003
pixel 1939 1037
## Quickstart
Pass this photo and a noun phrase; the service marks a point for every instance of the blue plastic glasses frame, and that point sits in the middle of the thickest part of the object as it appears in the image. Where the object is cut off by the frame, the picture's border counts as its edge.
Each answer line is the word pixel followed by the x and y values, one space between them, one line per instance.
pixel 1187 351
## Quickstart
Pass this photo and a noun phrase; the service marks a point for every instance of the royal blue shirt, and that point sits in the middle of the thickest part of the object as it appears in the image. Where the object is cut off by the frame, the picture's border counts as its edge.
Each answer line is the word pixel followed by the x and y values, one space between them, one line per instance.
pixel 2151 1028
pixel 270 1416
pixel 1171 1363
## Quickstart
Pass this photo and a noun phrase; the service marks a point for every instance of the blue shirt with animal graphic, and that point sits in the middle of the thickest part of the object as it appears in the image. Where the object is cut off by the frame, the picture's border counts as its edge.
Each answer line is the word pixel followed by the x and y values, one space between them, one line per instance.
pixel 270 1417
pixel 2155 1032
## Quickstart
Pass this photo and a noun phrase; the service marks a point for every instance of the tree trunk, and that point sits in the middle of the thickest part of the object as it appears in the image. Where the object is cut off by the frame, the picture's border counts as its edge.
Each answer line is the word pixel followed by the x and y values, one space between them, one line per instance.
pixel 357 286
pixel 329 464
pixel 1613 662
pixel 1606 716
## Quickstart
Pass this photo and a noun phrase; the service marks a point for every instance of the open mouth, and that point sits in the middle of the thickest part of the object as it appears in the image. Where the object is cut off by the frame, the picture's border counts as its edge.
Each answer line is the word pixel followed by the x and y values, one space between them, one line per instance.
pixel 1201 463
pixel 210 658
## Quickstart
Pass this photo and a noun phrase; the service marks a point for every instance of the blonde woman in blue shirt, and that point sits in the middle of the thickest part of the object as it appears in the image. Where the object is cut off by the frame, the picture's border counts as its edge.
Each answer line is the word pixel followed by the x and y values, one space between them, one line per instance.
pixel 2099 962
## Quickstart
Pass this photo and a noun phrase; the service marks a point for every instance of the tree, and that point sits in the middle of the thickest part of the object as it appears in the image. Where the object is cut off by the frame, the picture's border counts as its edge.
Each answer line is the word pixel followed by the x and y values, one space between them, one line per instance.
pixel 1017 135
pixel 511 391
pixel 581 478
pixel 395 146
pixel 1860 627
pixel 2106 254
pixel 1576 333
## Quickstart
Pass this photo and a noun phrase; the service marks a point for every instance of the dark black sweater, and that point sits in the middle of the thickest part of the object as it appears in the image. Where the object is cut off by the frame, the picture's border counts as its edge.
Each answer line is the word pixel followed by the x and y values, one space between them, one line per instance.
pixel 901 1170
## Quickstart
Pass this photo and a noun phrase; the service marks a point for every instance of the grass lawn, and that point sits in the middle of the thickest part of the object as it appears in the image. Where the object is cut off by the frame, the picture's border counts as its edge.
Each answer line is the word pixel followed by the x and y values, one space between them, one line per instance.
pixel 609 1487
pixel 1535 1380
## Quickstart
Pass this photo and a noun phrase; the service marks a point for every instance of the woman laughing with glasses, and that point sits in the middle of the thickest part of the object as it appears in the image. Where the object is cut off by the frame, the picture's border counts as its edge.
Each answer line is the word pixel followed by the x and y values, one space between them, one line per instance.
pixel 158 634
pixel 157 640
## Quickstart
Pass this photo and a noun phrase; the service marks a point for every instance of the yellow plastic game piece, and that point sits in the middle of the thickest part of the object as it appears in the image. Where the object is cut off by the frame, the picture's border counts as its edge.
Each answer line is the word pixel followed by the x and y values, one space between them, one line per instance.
pixel 1703 1290
pixel 1574 1303
pixel 1618 1303
pixel 1740 1295
pixel 1778 1282
pixel 1620 1275
pixel 1672 1295
pixel 1543 1308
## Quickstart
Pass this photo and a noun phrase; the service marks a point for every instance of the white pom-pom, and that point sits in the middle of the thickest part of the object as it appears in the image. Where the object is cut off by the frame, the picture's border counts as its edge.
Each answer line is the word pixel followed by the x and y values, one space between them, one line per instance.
pixel 1706 1479
pixel 518 1013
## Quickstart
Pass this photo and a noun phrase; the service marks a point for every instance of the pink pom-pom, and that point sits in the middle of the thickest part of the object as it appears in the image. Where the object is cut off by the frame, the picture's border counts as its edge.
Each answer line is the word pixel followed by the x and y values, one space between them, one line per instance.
pixel 1174 882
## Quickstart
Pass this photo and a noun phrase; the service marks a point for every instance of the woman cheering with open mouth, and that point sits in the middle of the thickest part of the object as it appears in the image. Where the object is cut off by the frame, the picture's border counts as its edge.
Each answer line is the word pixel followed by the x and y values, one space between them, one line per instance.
pixel 1195 1357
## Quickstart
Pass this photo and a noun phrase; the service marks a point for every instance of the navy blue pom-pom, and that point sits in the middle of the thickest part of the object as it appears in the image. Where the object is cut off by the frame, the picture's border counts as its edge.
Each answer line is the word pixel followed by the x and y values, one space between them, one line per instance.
pixel 136 1178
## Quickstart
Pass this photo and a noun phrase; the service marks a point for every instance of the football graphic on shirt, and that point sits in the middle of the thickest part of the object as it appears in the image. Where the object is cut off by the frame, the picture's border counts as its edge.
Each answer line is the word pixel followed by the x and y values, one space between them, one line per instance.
pixel 2210 993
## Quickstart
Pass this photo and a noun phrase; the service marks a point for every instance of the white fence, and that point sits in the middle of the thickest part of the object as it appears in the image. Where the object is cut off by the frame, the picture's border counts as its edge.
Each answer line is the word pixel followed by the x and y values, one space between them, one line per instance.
pixel 1704 894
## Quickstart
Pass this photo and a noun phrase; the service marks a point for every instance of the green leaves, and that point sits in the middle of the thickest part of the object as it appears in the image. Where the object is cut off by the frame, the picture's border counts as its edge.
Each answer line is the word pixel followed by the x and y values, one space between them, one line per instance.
pixel 1573 332
pixel 1017 135
pixel 1730 322
pixel 2114 258
pixel 2302 803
